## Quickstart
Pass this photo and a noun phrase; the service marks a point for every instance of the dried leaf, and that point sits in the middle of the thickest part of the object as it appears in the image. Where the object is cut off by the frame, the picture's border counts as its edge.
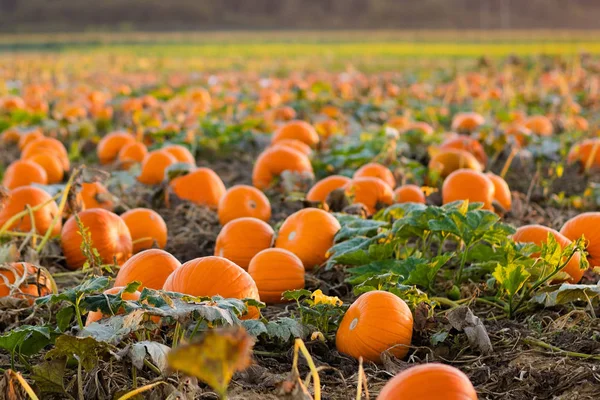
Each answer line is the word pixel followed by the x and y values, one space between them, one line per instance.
pixel 49 376
pixel 463 319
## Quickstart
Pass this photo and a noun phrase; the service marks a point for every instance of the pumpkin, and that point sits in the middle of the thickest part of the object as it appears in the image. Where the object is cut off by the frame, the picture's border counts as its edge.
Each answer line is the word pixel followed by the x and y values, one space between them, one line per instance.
pixel 519 132
pixel 467 144
pixel 110 145
pixel 467 122
pixel 23 173
pixel 321 189
pixel 466 184
pixel 501 191
pixel 276 271
pixel 422 127
pixel 132 153
pixel 95 316
pixel 299 130
pixel 539 125
pixel 274 161
pixel 429 382
pixel 409 194
pixel 109 235
pixel 154 166
pixel 181 153
pixel 51 164
pixel 585 224
pixel 399 122
pixel 19 198
pixel 371 192
pixel 309 234
pixel 243 201
pixel 376 170
pixel 538 234
pixel 587 152
pixel 201 186
pixel 95 195
pixel 47 144
pixel 150 267
pixel 377 321
pixel 449 160
pixel 213 276
pixel 296 145
pixel 37 282
pixel 242 238
pixel 29 137
pixel 285 113
pixel 146 227
pixel 11 136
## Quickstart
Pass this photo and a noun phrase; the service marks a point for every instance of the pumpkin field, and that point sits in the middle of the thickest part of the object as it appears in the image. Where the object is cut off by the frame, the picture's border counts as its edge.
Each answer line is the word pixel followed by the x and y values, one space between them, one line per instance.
pixel 228 217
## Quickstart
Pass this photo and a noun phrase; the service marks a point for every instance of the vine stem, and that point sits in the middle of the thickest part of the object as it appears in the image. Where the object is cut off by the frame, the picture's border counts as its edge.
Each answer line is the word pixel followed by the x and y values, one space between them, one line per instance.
pixel 539 343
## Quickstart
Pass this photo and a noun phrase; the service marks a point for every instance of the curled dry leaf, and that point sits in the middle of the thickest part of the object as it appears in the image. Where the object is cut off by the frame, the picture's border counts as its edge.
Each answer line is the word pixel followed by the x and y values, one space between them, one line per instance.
pixel 463 319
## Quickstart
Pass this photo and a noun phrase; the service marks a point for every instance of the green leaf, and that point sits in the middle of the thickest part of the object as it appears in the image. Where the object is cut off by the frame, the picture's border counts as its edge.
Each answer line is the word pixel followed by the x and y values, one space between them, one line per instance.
pixel 285 328
pixel 296 294
pixel 90 286
pixel 511 277
pixel 49 376
pixel 86 350
pixel 438 337
pixel 156 351
pixel 26 339
pixel 254 327
pixel 424 274
pixel 64 317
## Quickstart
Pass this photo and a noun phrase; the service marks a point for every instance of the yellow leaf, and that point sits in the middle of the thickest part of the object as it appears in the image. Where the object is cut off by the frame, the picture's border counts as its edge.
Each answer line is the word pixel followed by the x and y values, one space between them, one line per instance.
pixel 560 169
pixel 464 207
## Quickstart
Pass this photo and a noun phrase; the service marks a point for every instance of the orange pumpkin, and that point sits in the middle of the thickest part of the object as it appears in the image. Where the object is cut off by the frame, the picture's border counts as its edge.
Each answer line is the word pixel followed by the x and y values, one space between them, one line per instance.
pixel 146 227
pixel 29 137
pixel 242 238
pixel 95 195
pixel 322 188
pixel 429 382
pixel 409 194
pixel 36 281
pixel 181 153
pixel 467 122
pixel 299 130
pixel 95 316
pixel 376 170
pixel 274 161
pixel 110 145
pixel 47 144
pixel 109 234
pixel 21 197
pixel 132 153
pixel 154 166
pixel 538 234
pixel 585 224
pixel 284 113
pixel 422 127
pixel 539 125
pixel 243 201
pixel 371 192
pixel 501 191
pixel 11 135
pixel 296 145
pixel 309 234
pixel 23 173
pixel 150 267
pixel 449 160
pixel 467 144
pixel 466 184
pixel 587 152
pixel 377 321
pixel 202 186
pixel 51 164
pixel 213 276
pixel 276 271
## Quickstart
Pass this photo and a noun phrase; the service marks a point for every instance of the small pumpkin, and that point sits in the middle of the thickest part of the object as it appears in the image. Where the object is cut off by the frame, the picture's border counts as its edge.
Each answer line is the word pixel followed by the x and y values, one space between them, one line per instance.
pixel 36 281
pixel 371 192
pixel 501 191
pixel 409 194
pixel 17 201
pixel 274 161
pixel 147 228
pixel 539 125
pixel 467 122
pixel 376 170
pixel 276 271
pixel 110 145
pixel 150 267
pixel 468 144
pixel 585 224
pixel 181 153
pixel 201 186
pixel 466 184
pixel 28 137
pixel 299 130
pixel 95 316
pixel 309 234
pixel 132 153
pixel 23 173
pixel 47 144
pixel 51 164
pixel 587 152
pixel 242 238
pixel 243 201
pixel 446 161
pixel 321 189
pixel 296 145
pixel 109 235
pixel 154 166
pixel 377 321
pixel 95 195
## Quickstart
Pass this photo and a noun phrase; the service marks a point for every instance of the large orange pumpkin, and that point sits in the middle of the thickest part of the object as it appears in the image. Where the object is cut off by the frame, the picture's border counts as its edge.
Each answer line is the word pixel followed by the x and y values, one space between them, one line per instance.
pixel 538 234
pixel 276 271
pixel 132 153
pixel 150 267
pixel 95 316
pixel 110 145
pixel 296 145
pixel 47 144
pixel 243 201
pixel 409 194
pixel 23 173
pixel 95 195
pixel 309 234
pixel 51 164
pixel 202 186
pixel 467 122
pixel 468 144
pixel 19 198
pixel 371 192
pixel 146 227
pixel 29 137
pixel 299 130
pixel 376 170
pixel 587 152
pixel 377 321
pixel 539 125
pixel 466 184
pixel 449 160
pixel 501 191
pixel 429 382
pixel 585 224
pixel 242 238
pixel 181 153
pixel 36 281
pixel 154 166
pixel 274 161
pixel 109 234
pixel 322 188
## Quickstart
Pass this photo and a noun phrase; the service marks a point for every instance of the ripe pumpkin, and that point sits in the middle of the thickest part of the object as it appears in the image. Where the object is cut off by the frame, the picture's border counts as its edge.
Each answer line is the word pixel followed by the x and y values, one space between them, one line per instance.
pixel 47 144
pixel 587 152
pixel 275 160
pixel 468 144
pixel 109 233
pixel 213 276
pixel 409 194
pixel 501 191
pixel 539 125
pixel 181 153
pixel 11 135
pixel 276 271
pixel 538 234
pixel 242 238
pixel 467 122
pixel 243 201
pixel 296 145
pixel 429 382
pixel 132 153
pixel 150 267
pixel 371 192
pixel 585 224
pixel 309 234
pixel 299 130
pixel 95 195
pixel 19 198
pixel 466 184
pixel 28 137
pixel 202 186
pixel 95 316
pixel 51 164
pixel 377 321
pixel 376 170
pixel 399 122
pixel 154 166
pixel 322 188
pixel 449 160
pixel 285 113
pixel 110 145
pixel 422 127
pixel 23 173
pixel 37 282
pixel 145 223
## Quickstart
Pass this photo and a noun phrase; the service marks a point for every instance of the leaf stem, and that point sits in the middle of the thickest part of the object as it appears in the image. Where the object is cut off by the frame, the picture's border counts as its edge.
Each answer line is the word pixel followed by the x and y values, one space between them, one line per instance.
pixel 535 342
